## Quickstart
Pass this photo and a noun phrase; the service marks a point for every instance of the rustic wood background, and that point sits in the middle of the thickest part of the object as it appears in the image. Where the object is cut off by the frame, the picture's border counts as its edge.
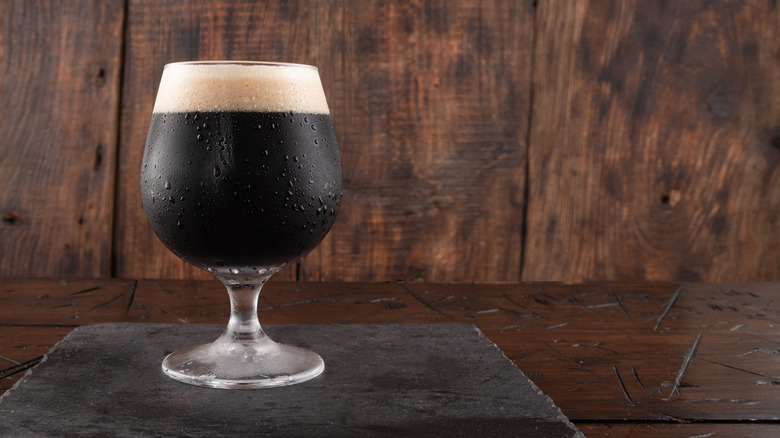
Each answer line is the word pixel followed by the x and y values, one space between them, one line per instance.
pixel 482 141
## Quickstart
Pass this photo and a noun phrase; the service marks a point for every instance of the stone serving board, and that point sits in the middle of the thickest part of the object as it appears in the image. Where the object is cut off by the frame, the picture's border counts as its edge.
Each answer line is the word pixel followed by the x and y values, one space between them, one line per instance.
pixel 379 380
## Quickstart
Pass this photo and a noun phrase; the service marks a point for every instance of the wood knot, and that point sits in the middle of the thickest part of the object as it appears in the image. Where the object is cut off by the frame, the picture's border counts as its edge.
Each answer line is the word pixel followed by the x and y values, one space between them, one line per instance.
pixel 12 218
pixel 671 197
pixel 100 77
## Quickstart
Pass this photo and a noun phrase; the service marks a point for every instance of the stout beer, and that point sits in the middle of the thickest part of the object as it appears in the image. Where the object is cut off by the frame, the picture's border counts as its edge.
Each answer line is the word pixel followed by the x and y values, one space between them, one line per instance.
pixel 241 169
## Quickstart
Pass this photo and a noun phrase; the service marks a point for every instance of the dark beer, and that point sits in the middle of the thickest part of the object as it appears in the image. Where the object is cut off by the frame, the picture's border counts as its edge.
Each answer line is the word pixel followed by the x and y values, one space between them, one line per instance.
pixel 239 188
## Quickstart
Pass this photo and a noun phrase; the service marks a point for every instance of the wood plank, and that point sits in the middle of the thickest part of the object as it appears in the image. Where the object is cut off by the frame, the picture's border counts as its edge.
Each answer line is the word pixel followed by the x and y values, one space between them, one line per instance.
pixel 63 302
pixel 654 151
pixel 430 102
pixel 661 430
pixel 174 301
pixel 60 66
pixel 599 350
pixel 159 32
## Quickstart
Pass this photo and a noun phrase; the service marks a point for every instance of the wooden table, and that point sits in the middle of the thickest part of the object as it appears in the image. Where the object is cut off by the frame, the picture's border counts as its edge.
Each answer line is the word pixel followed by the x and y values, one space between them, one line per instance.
pixel 644 359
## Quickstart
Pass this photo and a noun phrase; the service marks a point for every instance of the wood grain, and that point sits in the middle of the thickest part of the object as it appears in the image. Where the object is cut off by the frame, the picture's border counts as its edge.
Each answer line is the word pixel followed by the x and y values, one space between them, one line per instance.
pixel 596 351
pixel 59 83
pixel 430 102
pixel 654 151
pixel 481 141
pixel 64 302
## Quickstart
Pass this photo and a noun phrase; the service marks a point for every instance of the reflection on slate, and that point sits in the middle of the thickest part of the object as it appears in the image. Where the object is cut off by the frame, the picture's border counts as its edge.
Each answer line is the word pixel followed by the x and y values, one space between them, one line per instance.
pixel 379 380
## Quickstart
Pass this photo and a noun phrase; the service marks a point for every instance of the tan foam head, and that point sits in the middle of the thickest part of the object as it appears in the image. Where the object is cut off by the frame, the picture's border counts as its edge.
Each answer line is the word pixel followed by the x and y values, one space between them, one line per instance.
pixel 225 86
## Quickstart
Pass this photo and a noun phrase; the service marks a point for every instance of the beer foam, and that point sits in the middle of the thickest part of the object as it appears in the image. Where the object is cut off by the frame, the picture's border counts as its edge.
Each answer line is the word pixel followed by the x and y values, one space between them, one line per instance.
pixel 240 86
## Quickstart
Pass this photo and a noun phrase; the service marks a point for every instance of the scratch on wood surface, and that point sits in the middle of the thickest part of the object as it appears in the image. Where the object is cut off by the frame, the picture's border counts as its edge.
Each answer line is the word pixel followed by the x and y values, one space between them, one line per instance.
pixel 759 350
pixel 448 297
pixel 686 363
pixel 377 300
pixel 108 302
pixel 601 347
pixel 622 385
pixel 85 291
pixel 544 302
pixel 599 306
pixel 308 301
pixel 619 300
pixel 770 378
pixel 352 318
pixel 558 351
pixel 20 367
pixel 550 327
pixel 672 301
pixel 132 299
pixel 8 359
pixel 636 377
pixel 426 303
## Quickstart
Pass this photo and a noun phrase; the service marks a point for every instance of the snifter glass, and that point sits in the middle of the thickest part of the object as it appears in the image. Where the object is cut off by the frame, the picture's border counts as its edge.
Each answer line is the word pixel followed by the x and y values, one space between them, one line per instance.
pixel 241 176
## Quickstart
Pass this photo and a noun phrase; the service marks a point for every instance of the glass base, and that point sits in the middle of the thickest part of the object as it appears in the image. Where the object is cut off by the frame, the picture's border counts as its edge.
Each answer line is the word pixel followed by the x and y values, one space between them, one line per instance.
pixel 232 364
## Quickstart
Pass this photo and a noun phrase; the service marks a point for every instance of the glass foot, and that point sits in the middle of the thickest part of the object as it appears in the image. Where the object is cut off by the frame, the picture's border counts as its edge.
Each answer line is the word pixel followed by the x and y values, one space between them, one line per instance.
pixel 232 364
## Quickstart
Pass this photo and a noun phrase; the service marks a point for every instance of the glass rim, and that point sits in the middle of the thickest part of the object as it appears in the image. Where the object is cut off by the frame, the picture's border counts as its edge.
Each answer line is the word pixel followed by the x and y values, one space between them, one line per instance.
pixel 241 62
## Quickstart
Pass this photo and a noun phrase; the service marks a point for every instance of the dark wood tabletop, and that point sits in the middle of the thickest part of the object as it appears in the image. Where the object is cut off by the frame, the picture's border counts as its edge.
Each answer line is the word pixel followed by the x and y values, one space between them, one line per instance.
pixel 619 359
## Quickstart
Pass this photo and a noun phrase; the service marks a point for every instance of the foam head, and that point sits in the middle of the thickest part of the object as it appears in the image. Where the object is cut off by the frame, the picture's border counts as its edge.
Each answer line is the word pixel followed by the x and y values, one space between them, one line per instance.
pixel 240 86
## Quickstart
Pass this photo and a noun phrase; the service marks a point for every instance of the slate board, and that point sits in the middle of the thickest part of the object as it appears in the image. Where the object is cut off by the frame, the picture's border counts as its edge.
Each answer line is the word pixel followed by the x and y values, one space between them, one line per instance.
pixel 379 380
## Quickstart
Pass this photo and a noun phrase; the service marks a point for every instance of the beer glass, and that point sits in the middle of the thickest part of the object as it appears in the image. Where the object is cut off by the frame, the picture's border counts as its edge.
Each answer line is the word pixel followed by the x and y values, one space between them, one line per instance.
pixel 241 176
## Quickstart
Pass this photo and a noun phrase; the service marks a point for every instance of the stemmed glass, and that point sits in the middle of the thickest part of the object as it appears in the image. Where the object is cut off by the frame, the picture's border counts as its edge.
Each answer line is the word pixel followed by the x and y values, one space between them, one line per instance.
pixel 241 176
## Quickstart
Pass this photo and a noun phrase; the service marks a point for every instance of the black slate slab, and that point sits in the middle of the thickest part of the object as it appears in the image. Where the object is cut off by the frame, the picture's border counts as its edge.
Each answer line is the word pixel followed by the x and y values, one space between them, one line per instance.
pixel 379 380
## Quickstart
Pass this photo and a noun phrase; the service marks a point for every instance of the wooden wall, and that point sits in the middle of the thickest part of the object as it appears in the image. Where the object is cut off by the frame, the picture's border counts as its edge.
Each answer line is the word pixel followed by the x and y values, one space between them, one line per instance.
pixel 482 140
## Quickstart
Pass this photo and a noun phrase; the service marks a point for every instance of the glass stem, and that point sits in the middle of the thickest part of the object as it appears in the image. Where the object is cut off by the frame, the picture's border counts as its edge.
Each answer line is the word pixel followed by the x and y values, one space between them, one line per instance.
pixel 244 325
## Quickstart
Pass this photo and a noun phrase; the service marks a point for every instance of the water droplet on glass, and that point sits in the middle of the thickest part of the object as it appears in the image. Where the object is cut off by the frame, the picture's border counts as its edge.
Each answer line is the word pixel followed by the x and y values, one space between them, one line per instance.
pixel 234 271
pixel 217 171
pixel 167 185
